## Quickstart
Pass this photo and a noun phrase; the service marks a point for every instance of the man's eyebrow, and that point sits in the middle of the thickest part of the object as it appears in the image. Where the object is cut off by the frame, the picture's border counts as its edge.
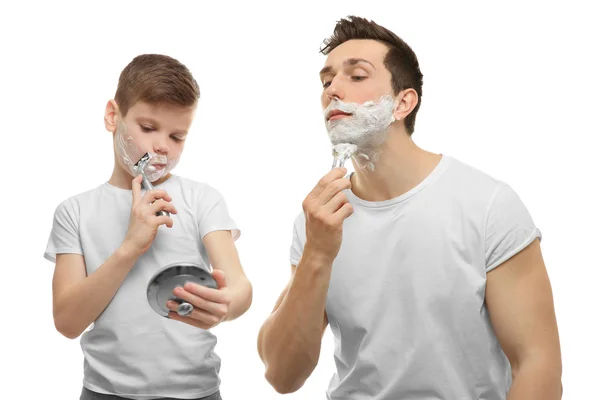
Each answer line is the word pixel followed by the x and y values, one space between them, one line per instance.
pixel 354 61
pixel 350 61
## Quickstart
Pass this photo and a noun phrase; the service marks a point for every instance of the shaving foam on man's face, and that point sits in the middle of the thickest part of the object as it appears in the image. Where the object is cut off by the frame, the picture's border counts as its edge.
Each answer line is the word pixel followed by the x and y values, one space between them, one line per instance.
pixel 365 125
pixel 130 152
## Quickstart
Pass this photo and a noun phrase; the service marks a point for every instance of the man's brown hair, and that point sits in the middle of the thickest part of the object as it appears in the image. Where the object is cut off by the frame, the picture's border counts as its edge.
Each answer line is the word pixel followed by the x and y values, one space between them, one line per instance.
pixel 400 59
pixel 156 79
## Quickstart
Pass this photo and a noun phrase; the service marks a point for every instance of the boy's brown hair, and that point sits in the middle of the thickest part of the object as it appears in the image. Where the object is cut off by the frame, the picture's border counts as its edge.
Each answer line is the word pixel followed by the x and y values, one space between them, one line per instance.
pixel 156 79
pixel 400 60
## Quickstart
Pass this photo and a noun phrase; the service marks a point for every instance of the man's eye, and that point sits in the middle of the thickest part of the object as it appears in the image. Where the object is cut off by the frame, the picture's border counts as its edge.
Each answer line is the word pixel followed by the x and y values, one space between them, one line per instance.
pixel 326 85
pixel 358 78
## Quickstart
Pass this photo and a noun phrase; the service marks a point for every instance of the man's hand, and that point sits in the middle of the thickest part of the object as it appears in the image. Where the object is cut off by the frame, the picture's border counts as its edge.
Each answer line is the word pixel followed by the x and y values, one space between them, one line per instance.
pixel 326 207
pixel 143 222
pixel 211 306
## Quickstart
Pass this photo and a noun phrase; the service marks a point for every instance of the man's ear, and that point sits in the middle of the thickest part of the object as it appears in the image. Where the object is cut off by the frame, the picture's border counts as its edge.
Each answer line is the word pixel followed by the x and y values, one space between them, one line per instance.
pixel 406 101
pixel 111 116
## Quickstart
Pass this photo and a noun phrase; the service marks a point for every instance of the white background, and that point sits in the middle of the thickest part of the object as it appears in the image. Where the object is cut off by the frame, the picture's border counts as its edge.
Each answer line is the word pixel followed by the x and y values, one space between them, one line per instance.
pixel 510 89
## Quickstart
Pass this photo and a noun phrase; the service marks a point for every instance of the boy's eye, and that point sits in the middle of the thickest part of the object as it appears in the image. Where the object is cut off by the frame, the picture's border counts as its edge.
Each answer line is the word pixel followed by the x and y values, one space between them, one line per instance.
pixel 177 138
pixel 326 85
pixel 146 128
pixel 358 78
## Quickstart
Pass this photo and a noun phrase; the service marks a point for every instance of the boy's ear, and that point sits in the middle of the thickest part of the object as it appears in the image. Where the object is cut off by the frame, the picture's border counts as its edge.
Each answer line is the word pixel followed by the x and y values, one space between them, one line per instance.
pixel 111 116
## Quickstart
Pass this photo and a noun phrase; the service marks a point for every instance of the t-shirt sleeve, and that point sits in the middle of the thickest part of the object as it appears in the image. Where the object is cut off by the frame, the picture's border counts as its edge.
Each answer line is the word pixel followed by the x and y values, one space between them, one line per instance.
pixel 509 227
pixel 213 214
pixel 64 237
pixel 298 240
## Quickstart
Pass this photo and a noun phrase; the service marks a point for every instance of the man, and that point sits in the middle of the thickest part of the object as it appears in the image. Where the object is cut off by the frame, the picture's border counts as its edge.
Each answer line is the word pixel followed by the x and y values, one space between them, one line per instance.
pixel 428 271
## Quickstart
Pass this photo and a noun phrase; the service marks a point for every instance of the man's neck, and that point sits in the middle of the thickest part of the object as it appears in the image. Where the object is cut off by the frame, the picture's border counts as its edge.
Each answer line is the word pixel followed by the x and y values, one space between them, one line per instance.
pixel 400 167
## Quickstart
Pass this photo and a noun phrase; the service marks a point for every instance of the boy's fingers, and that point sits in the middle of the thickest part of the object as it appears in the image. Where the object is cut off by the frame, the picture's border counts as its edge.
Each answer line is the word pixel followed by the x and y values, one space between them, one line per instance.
pixel 220 278
pixel 136 187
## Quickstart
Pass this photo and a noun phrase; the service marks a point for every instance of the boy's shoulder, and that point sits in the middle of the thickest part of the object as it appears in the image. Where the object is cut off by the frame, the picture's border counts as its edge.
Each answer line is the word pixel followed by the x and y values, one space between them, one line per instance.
pixel 81 197
pixel 192 189
pixel 195 185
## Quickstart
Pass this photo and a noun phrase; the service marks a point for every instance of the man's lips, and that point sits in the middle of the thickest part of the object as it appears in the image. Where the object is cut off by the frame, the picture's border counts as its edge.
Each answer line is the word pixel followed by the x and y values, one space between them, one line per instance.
pixel 336 114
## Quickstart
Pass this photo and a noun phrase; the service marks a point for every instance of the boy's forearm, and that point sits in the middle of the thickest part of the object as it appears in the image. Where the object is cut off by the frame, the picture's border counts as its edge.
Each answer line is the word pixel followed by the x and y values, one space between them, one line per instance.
pixel 80 305
pixel 241 299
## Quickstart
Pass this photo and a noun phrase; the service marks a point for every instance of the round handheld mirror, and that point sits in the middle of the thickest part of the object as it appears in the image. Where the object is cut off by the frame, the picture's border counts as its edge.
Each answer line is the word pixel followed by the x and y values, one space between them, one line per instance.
pixel 161 285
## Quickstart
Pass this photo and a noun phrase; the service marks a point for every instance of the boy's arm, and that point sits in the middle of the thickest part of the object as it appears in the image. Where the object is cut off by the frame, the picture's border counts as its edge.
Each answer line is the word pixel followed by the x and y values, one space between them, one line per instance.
pixel 79 300
pixel 224 257
pixel 234 294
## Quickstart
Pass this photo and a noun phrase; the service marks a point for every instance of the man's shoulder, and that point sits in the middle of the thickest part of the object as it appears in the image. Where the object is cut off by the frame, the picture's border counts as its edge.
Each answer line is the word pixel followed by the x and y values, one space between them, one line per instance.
pixel 465 179
pixel 468 171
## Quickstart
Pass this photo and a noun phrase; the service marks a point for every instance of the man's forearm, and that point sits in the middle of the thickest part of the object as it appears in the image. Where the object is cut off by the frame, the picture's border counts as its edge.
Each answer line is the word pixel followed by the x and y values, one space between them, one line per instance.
pixel 536 380
pixel 80 305
pixel 290 340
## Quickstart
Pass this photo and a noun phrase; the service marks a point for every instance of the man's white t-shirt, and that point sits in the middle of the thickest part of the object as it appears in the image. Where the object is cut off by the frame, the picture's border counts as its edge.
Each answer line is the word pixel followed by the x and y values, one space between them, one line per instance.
pixel 406 301
pixel 130 350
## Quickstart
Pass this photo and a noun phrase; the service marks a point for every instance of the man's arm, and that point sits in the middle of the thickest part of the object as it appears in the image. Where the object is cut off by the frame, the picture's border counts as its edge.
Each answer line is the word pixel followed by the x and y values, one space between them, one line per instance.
pixel 289 342
pixel 519 300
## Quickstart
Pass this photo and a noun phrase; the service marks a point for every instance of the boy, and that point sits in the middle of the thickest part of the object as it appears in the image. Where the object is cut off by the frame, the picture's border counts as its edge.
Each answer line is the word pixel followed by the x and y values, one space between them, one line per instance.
pixel 109 241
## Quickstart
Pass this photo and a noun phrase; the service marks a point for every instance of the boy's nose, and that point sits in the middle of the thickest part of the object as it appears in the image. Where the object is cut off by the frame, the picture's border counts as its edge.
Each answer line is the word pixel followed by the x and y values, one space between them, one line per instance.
pixel 161 147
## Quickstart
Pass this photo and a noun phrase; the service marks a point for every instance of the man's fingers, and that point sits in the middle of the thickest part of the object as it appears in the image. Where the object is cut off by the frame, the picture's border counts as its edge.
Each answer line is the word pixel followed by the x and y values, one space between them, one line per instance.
pixel 336 203
pixel 344 212
pixel 331 176
pixel 333 189
pixel 314 195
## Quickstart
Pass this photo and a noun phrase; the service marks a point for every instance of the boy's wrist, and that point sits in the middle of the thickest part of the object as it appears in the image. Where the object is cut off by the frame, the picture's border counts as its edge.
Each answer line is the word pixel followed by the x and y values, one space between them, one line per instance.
pixel 127 252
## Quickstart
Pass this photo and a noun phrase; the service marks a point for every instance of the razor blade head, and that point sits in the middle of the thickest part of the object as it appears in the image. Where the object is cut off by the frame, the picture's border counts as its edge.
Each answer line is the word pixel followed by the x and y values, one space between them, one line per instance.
pixel 139 166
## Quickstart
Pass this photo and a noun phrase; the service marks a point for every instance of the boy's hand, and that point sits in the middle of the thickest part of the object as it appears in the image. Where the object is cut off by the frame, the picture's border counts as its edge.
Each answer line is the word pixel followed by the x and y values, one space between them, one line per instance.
pixel 143 223
pixel 211 306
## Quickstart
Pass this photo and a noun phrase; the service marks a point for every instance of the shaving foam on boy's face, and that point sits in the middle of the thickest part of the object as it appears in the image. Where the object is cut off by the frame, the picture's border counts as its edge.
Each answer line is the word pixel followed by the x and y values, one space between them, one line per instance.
pixel 130 153
pixel 365 126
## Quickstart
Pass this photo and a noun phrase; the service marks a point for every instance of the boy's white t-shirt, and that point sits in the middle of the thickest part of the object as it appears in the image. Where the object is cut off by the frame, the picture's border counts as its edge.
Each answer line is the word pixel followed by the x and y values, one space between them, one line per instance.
pixel 130 350
pixel 406 300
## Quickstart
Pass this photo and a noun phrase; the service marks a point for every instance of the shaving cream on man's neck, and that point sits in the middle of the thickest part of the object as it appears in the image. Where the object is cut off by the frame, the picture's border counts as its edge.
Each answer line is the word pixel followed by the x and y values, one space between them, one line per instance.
pixel 366 126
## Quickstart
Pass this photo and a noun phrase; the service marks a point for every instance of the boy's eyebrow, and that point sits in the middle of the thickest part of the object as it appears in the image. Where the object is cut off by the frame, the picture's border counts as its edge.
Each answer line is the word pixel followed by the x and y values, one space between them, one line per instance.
pixel 349 61
pixel 155 122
